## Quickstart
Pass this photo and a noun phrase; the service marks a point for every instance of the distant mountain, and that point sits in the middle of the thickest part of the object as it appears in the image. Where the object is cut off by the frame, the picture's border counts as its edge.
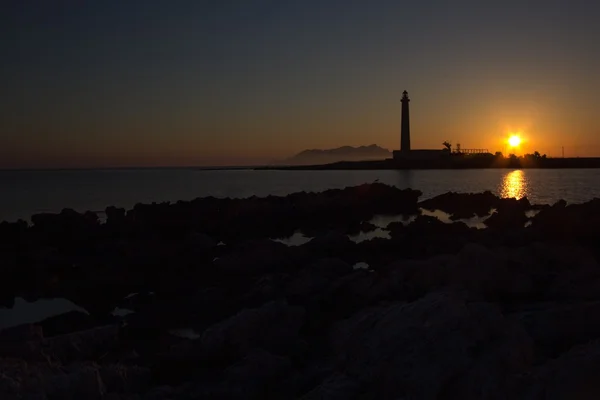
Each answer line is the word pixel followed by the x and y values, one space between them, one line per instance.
pixel 344 153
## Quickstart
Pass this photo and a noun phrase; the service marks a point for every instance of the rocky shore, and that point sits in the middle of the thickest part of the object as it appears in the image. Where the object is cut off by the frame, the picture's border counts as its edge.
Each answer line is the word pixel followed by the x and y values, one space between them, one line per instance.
pixel 217 309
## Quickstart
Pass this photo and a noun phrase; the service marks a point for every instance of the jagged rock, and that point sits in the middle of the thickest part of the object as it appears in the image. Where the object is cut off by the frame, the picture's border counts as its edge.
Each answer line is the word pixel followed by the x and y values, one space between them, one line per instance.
pixel 22 333
pixel 336 387
pixel 69 322
pixel 315 278
pixel 483 274
pixel 115 216
pixel 569 222
pixel 200 241
pixel 421 349
pixel 395 228
pixel 363 226
pixel 258 373
pixel 462 205
pixel 573 375
pixel 125 379
pixel 267 288
pixel 360 289
pixel 79 381
pixel 254 258
pixel 480 270
pixel 82 345
pixel 162 393
pixel 332 244
pixel 510 214
pixel 274 327
pixel 412 343
pixel 557 327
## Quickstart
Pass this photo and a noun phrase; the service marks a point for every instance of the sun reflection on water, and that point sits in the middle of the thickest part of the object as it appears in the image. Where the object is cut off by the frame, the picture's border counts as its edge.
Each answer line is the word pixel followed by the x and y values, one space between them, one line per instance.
pixel 514 184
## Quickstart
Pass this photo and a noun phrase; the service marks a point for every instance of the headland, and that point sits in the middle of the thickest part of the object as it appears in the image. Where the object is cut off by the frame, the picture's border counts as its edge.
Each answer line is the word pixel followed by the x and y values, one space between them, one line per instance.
pixel 451 162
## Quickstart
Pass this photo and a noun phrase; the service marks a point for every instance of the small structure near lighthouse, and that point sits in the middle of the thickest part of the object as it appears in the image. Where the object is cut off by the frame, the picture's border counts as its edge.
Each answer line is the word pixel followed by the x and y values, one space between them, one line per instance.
pixel 405 152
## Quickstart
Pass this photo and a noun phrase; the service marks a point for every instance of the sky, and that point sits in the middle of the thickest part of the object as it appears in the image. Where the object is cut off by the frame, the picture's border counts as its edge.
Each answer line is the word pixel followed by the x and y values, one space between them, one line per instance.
pixel 117 83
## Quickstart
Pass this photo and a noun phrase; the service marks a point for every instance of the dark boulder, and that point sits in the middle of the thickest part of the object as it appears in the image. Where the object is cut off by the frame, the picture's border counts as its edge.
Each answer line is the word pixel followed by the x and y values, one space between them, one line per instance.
pixel 336 387
pixel 259 374
pixel 573 375
pixel 510 214
pixel 115 217
pixel 254 258
pixel 69 322
pixel 437 347
pixel 20 380
pixel 462 205
pixel 309 284
pixel 556 328
pixel 274 327
pixel 332 244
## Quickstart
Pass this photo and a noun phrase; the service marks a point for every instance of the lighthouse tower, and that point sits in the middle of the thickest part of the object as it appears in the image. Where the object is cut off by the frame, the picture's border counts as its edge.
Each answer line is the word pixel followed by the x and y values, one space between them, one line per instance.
pixel 407 156
pixel 405 125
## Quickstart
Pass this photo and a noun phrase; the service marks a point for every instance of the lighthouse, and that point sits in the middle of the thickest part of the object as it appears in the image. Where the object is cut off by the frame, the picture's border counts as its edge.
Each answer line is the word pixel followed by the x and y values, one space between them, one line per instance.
pixel 405 125
pixel 406 153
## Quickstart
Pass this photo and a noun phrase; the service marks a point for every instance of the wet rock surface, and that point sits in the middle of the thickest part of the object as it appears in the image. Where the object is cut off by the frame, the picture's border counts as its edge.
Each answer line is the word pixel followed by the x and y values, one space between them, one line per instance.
pixel 437 311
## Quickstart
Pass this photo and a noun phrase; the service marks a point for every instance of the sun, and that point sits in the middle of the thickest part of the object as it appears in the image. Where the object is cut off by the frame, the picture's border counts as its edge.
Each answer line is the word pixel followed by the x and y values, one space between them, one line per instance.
pixel 514 141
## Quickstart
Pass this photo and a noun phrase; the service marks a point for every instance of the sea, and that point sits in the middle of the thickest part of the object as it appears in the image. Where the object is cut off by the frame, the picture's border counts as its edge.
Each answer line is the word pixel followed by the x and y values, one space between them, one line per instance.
pixel 27 192
pixel 23 193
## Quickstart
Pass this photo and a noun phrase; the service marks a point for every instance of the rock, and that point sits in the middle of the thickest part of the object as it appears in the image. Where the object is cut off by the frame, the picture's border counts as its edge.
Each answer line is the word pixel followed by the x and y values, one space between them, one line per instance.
pixel 462 205
pixel 200 242
pixel 483 275
pixel 557 271
pixel 506 220
pixel 307 377
pixel 274 327
pixel 421 349
pixel 360 289
pixel 115 216
pixel 83 383
pixel 396 228
pixel 267 288
pixel 20 380
pixel 568 222
pixel 68 322
pixel 258 374
pixel 42 381
pixel 254 258
pixel 22 333
pixel 125 379
pixel 82 345
pixel 77 381
pixel 555 328
pixel 479 270
pixel 363 226
pixel 332 244
pixel 336 387
pixel 162 393
pixel 573 375
pixel 315 278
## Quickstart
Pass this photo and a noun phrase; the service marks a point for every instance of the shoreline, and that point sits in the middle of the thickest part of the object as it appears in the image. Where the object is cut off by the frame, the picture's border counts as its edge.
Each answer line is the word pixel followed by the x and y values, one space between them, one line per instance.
pixel 450 163
pixel 208 303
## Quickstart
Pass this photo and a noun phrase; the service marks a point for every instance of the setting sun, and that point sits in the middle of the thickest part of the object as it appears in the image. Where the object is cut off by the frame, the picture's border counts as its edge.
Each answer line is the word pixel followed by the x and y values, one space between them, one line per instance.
pixel 514 141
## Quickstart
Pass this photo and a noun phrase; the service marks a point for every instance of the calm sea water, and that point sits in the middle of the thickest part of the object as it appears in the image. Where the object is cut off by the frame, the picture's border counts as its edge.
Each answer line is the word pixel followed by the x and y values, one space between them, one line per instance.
pixel 23 193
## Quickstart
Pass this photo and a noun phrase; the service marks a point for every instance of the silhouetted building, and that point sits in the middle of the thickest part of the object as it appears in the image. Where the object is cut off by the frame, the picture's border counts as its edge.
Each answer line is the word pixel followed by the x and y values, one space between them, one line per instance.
pixel 405 124
pixel 405 152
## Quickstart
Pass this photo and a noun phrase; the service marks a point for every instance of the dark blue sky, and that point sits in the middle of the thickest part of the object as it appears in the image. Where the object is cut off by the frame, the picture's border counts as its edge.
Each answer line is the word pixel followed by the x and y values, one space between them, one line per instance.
pixel 94 83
